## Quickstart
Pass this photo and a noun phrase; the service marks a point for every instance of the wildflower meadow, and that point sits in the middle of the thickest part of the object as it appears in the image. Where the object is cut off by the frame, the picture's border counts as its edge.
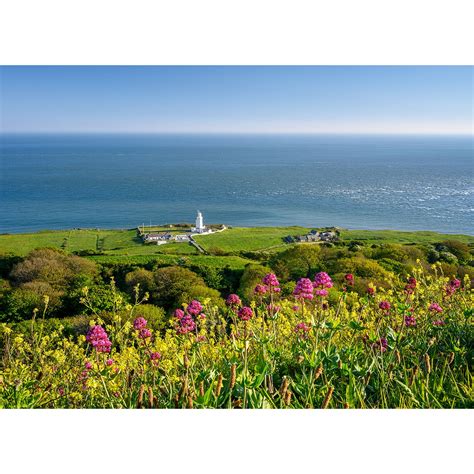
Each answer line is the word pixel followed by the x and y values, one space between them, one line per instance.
pixel 406 346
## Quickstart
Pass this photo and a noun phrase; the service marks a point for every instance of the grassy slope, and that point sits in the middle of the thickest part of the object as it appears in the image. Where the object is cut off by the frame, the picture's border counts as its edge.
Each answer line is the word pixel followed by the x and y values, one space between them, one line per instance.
pixel 259 238
pixel 396 236
pixel 248 238
pixel 116 243
pixel 235 263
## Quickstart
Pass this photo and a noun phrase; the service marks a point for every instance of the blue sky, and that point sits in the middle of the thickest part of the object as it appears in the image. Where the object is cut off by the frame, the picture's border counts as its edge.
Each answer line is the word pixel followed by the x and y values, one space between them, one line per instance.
pixel 237 99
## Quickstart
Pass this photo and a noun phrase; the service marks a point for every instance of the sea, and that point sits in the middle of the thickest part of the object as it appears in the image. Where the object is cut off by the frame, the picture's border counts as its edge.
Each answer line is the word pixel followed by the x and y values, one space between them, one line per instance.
pixel 123 180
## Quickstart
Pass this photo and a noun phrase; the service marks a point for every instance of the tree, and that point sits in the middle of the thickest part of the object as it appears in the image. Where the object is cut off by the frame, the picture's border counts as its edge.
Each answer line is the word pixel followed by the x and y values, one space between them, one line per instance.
pixel 459 249
pixel 19 304
pixel 141 277
pixel 51 266
pixel 297 262
pixel 176 285
pixel 252 275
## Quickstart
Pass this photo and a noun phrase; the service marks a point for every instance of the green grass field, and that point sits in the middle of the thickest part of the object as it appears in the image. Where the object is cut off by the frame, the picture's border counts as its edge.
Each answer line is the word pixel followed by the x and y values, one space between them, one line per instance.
pixel 116 243
pixel 232 262
pixel 248 238
pixel 400 237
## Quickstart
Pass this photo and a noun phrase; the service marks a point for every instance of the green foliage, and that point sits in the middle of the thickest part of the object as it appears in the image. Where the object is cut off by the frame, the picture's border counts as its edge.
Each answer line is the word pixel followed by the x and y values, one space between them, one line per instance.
pixel 99 298
pixel 297 262
pixel 143 278
pixel 51 266
pixel 252 275
pixel 19 304
pixel 459 249
pixel 177 285
pixel 244 239
pixel 348 353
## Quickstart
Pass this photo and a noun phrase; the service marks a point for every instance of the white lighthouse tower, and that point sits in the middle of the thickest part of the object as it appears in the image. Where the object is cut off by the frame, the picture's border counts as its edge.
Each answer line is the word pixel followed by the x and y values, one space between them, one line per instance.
pixel 200 227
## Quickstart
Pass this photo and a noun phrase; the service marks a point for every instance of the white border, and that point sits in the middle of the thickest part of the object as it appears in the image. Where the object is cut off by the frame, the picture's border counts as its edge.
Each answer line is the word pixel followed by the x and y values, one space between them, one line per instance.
pixel 417 32
pixel 233 441
pixel 236 32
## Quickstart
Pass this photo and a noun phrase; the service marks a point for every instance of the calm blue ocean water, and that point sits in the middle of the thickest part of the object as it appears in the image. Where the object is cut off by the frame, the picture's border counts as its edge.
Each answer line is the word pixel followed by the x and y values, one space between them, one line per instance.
pixel 66 181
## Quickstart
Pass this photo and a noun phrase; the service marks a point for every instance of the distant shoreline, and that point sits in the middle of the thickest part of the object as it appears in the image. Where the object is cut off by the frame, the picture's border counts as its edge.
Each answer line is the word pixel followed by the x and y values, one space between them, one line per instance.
pixel 184 224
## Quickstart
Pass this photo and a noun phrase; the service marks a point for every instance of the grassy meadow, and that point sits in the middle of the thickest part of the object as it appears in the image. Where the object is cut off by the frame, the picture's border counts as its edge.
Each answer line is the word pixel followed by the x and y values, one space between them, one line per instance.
pixel 237 239
pixel 97 319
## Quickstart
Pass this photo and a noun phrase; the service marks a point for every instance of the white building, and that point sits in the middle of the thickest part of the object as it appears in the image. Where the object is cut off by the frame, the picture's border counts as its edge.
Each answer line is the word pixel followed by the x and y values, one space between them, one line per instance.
pixel 200 227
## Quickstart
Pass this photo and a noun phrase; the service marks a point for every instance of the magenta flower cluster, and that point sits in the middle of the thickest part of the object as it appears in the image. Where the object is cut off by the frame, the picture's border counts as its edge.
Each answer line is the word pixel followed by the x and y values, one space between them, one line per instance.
pixel 185 322
pixel 233 301
pixel 194 308
pixel 245 313
pixel 97 337
pixel 260 290
pixel 304 289
pixel 385 306
pixel 436 308
pixel 453 286
pixel 410 287
pixel 186 319
pixel 302 330
pixel 271 282
pixel 139 325
pixel 410 321
pixel 321 282
pixel 155 357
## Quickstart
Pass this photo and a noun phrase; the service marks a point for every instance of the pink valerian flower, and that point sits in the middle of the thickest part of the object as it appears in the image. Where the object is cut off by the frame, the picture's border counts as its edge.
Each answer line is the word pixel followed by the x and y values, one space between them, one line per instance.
pixel 455 283
pixel 271 281
pixel 322 280
pixel 97 337
pixel 349 277
pixel 453 286
pixel 245 313
pixel 371 290
pixel 139 323
pixel 295 307
pixel 144 333
pixel 109 362
pixel 439 322
pixel 435 307
pixel 185 324
pixel 304 289
pixel 179 313
pixel 381 344
pixel 194 308
pixel 410 321
pixel 411 285
pixel 61 391
pixel 233 301
pixel 302 330
pixel 385 306
pixel 260 290
pixel 321 293
pixel 273 308
pixel 85 375
pixel 155 357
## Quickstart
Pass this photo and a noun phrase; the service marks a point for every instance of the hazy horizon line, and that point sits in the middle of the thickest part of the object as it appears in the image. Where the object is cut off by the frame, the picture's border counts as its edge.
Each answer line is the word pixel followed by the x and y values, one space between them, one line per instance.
pixel 184 132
